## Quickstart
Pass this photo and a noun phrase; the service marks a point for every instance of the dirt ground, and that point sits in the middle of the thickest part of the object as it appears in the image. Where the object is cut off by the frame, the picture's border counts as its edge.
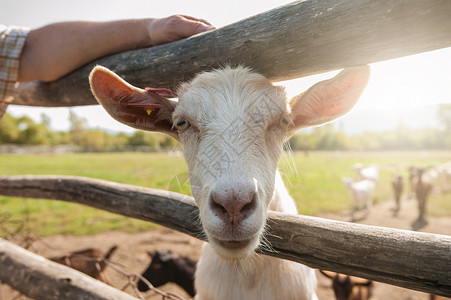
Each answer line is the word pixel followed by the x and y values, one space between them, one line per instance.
pixel 132 251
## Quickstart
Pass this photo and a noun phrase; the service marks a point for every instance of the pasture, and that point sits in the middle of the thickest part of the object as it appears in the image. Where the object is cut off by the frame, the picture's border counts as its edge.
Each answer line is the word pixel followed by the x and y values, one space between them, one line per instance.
pixel 313 179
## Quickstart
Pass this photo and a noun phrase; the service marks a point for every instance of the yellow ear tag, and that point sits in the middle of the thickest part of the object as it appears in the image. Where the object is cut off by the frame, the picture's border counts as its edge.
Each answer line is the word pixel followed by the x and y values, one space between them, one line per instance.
pixel 149 111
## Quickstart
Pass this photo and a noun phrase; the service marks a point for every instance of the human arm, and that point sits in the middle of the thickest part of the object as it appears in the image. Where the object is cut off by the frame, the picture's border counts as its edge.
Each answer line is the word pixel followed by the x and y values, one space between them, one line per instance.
pixel 57 49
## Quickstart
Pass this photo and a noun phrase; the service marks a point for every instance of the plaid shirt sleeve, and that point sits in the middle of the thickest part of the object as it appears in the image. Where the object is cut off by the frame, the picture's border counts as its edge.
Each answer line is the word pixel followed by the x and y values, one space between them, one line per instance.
pixel 12 40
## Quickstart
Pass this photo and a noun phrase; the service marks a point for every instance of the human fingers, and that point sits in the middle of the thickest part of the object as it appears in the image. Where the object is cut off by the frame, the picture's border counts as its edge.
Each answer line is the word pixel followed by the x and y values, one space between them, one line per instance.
pixel 174 28
pixel 197 19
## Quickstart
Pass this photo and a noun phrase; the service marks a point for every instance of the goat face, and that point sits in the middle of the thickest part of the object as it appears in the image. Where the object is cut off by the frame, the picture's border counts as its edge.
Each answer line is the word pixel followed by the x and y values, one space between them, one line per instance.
pixel 232 123
pixel 236 127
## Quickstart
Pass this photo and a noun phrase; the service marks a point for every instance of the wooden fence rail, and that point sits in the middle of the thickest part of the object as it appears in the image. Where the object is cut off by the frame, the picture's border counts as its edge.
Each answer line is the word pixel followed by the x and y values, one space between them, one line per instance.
pixel 299 39
pixel 414 260
pixel 42 279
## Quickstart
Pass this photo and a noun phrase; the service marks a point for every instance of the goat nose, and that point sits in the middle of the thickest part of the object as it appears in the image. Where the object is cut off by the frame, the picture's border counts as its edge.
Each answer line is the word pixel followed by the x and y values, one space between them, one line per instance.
pixel 233 204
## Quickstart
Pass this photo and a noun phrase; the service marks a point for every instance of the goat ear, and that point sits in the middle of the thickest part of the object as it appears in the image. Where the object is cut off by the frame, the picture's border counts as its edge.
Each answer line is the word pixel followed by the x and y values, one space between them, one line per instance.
pixel 141 109
pixel 362 281
pixel 328 274
pixel 329 99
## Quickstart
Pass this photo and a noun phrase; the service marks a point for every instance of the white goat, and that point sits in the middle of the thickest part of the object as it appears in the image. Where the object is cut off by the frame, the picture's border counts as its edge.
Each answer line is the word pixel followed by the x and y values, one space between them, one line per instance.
pixel 366 172
pixel 232 123
pixel 361 194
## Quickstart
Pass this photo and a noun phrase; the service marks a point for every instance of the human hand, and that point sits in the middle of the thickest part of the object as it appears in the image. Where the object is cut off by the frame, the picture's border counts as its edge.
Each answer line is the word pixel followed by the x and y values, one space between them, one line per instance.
pixel 175 27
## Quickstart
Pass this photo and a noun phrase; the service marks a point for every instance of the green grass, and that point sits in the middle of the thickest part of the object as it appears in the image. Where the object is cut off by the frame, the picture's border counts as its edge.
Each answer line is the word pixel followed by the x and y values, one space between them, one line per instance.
pixel 314 182
pixel 47 217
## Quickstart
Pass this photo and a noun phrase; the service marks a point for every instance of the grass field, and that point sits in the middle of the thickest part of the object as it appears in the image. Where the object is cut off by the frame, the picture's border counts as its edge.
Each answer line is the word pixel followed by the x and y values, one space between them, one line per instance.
pixel 314 181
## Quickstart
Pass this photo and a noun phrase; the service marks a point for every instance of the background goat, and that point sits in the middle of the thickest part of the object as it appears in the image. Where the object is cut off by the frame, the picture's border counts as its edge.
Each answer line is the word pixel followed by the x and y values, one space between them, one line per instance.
pixel 349 287
pixel 89 261
pixel 361 194
pixel 166 266
pixel 413 178
pixel 232 124
pixel 423 183
pixel 398 186
pixel 366 172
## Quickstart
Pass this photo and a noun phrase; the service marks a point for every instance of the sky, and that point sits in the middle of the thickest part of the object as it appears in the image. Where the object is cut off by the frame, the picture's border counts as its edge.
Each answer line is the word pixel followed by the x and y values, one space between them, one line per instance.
pixel 402 90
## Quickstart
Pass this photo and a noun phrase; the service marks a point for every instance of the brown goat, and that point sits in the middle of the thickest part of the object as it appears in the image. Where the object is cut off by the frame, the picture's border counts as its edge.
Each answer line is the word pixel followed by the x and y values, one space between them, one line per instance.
pixel 349 287
pixel 398 186
pixel 89 261
pixel 412 181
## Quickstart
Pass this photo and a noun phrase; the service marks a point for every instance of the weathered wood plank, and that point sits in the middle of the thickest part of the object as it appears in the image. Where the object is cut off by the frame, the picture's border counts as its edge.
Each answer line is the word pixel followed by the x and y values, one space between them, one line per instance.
pixel 299 39
pixel 408 259
pixel 39 278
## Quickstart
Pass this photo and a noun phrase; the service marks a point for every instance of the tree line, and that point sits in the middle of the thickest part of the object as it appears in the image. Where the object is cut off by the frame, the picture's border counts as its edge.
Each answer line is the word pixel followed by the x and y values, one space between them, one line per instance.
pixel 24 131
pixel 330 137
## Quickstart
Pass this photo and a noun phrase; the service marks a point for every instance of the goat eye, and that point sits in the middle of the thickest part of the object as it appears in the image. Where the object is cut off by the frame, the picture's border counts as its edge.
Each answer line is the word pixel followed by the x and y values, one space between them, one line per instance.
pixel 182 124
pixel 284 122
